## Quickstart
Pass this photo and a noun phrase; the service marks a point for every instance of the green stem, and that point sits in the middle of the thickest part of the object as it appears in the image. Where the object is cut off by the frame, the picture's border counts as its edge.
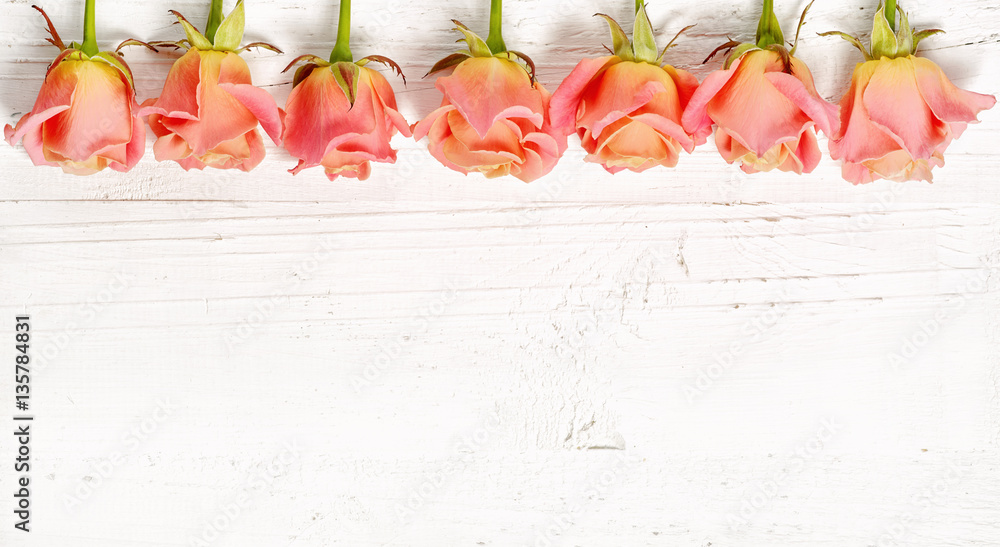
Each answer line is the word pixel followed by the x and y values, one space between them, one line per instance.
pixel 215 19
pixel 769 30
pixel 638 5
pixel 890 13
pixel 89 46
pixel 495 39
pixel 342 51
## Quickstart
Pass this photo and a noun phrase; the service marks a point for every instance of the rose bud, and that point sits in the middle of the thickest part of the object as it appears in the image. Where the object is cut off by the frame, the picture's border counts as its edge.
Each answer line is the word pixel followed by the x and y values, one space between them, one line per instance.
pixel 341 114
pixel 85 117
pixel 627 107
pixel 208 113
pixel 901 111
pixel 494 118
pixel 764 104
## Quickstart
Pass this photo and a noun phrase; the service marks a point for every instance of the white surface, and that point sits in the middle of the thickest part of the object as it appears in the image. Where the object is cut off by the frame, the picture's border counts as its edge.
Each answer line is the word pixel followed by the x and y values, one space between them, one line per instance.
pixel 685 357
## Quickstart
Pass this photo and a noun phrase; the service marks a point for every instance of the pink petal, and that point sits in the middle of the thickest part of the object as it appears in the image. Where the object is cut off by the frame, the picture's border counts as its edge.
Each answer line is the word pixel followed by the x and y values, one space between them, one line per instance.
pixel 488 89
pixel 859 139
pixel 261 104
pixel 948 102
pixel 696 120
pixel 823 113
pixel 422 128
pixel 385 94
pixel 895 104
pixel 566 100
pixel 752 110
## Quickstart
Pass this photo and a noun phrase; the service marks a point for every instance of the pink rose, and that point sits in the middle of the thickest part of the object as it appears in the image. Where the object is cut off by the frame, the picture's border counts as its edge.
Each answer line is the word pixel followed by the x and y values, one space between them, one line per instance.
pixel 627 114
pixel 493 118
pixel 627 107
pixel 208 113
pixel 323 127
pixel 766 108
pixel 901 111
pixel 85 117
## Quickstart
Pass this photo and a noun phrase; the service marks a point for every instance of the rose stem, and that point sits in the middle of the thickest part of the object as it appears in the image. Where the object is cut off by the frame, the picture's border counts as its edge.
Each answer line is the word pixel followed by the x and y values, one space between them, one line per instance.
pixel 89 46
pixel 495 39
pixel 342 51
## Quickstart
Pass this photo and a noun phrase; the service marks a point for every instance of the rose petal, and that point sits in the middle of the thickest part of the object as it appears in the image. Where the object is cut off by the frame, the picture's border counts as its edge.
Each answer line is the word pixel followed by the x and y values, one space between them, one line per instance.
pixel 948 102
pixel 895 105
pixel 488 89
pixel 566 100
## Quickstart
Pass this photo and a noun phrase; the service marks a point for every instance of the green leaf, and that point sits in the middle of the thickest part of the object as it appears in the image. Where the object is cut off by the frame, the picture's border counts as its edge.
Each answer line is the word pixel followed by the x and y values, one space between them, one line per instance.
pixel 477 46
pixel 195 38
pixel 884 42
pixel 347 76
pixel 643 40
pixel 621 44
pixel 230 32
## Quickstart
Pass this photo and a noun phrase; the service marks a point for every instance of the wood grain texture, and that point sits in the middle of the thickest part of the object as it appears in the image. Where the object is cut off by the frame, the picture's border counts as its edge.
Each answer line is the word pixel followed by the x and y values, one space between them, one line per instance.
pixel 685 357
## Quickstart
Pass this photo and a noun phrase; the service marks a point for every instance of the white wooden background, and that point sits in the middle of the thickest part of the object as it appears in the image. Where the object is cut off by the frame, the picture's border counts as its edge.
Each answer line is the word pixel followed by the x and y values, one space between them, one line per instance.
pixel 684 357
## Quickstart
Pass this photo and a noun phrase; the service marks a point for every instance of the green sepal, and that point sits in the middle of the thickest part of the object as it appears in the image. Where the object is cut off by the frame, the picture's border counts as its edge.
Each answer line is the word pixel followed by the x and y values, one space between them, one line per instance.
pixel 663 54
pixel 448 62
pixel 769 30
pixel 381 59
pixel 622 47
pixel 904 36
pixel 643 41
pixel 884 41
pixel 195 38
pixel 888 43
pixel 740 51
pixel 856 42
pixel 532 69
pixel 347 76
pixel 920 36
pixel 230 33
pixel 477 46
pixel 117 62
